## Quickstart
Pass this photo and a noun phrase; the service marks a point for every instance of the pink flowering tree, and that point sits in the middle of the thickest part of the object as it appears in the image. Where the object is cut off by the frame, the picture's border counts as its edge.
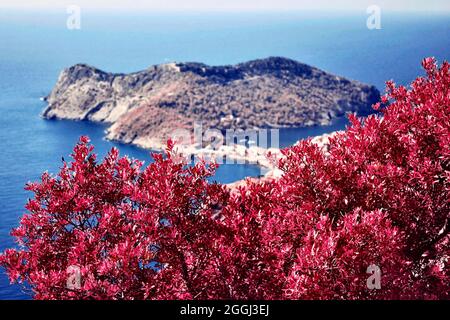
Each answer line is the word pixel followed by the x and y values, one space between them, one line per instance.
pixel 374 206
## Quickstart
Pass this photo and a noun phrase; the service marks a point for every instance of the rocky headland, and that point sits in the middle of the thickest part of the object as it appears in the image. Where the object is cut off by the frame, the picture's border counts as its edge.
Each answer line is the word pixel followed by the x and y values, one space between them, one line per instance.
pixel 145 107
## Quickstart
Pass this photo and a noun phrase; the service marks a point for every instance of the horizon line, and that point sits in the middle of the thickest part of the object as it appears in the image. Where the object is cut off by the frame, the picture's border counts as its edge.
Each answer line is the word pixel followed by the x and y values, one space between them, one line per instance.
pixel 217 10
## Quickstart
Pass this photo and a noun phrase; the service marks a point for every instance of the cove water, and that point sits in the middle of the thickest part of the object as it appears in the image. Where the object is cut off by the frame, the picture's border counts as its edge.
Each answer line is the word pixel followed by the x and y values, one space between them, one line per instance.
pixel 36 46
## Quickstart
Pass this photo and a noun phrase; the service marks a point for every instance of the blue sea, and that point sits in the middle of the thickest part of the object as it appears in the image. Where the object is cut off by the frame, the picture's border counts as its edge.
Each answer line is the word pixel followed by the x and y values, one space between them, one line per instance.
pixel 36 46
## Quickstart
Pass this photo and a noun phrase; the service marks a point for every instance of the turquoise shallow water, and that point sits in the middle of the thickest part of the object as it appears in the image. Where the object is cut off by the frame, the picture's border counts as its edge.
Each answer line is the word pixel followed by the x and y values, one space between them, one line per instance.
pixel 34 47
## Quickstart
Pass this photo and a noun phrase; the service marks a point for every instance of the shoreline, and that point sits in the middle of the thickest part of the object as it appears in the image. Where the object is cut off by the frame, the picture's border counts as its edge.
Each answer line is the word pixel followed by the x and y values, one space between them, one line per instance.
pixel 266 159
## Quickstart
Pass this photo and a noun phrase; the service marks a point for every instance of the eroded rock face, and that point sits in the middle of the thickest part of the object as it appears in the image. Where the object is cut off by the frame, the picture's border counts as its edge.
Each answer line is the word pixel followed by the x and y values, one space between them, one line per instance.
pixel 145 107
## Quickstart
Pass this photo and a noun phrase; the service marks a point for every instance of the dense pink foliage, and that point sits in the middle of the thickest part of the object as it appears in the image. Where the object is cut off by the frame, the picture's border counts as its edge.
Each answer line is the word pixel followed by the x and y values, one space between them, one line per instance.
pixel 379 196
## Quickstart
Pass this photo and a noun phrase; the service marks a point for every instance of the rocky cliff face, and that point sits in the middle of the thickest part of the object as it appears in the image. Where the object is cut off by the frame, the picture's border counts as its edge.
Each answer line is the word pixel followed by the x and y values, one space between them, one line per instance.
pixel 144 107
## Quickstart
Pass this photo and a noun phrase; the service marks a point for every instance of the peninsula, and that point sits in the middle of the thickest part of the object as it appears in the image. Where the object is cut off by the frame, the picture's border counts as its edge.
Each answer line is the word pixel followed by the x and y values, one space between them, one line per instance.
pixel 144 108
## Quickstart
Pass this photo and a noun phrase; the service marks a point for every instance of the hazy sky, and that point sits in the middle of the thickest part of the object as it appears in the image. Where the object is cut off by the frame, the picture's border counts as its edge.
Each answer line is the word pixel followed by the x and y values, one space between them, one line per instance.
pixel 148 5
